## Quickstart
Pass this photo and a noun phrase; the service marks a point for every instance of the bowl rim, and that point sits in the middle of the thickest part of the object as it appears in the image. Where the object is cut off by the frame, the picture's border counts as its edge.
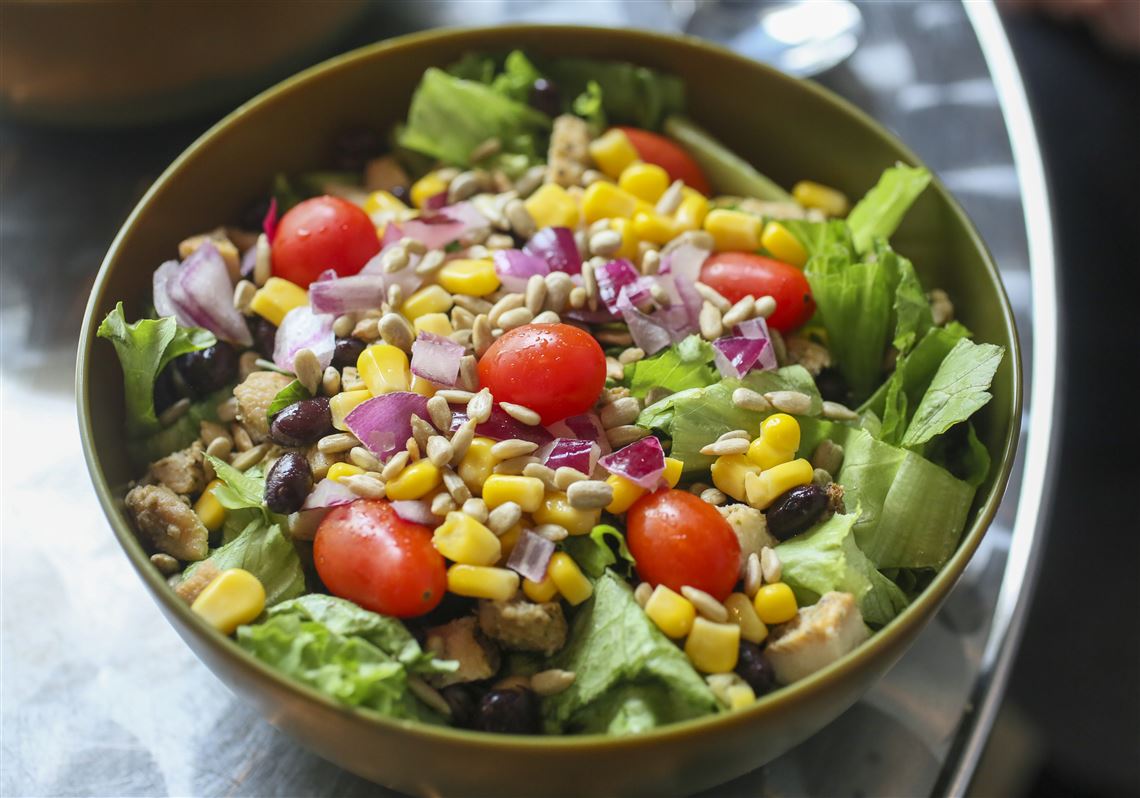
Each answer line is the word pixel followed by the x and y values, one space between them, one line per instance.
pixel 782 700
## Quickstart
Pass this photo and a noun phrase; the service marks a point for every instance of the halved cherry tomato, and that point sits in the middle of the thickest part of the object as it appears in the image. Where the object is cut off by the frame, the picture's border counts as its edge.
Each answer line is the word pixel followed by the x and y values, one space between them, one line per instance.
pixel 677 539
pixel 367 554
pixel 323 233
pixel 554 369
pixel 737 274
pixel 670 156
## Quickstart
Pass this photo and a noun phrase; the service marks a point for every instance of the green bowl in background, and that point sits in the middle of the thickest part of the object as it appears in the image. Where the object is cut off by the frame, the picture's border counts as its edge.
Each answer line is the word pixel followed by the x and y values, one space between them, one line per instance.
pixel 790 130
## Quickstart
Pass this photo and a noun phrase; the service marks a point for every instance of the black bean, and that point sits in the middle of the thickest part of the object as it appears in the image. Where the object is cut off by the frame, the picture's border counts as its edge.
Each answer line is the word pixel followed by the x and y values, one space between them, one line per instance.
pixel 209 369
pixel 545 97
pixel 302 423
pixel 402 194
pixel 464 702
pixel 753 667
pixel 511 711
pixel 355 147
pixel 165 390
pixel 264 334
pixel 288 483
pixel 832 386
pixel 796 510
pixel 347 352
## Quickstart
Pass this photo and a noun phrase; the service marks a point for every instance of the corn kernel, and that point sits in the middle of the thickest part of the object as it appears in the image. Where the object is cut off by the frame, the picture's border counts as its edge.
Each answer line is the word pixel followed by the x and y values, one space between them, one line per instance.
pixel 613 152
pixel 434 323
pixel 713 647
pixel 606 201
pixel 344 403
pixel 480 581
pixel 209 509
pixel 626 493
pixel 654 227
pixel 729 472
pixel 691 213
pixel 472 277
pixel 507 541
pixel 783 246
pixel 460 538
pixel 276 298
pixel 646 181
pixel 742 613
pixel 556 509
pixel 422 387
pixel 740 696
pixel 673 469
pixel 733 231
pixel 764 488
pixel 552 206
pixel 568 578
pixel 476 465
pixel 382 202
pixel 427 187
pixel 415 481
pixel 233 597
pixel 341 470
pixel 673 613
pixel 775 603
pixel 526 492
pixel 429 299
pixel 824 198
pixel 629 242
pixel 540 592
pixel 384 369
pixel 777 442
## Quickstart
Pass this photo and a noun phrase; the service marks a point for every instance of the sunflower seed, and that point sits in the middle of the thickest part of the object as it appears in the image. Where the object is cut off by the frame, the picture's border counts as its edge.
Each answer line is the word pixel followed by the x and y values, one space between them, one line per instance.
pixel 558 287
pixel 421 431
pixel 462 337
pixel 578 297
pixel 394 260
pixel 614 337
pixel 512 447
pixel 468 372
pixel 249 457
pixel 350 379
pixel 455 396
pixel 941 308
pixel 765 307
pixel 507 303
pixel 713 297
pixel 174 412
pixel 739 312
pixel 429 695
pixel 552 532
pixel 413 448
pixel 330 381
pixel 473 304
pixel 308 369
pixel 753 577
pixel 461 440
pixel 515 318
pixel 590 494
pixel 519 217
pixel 671 199
pixel 837 412
pixel 362 458
pixel 531 180
pixel 455 486
pixel 552 682
pixel 523 415
pixel 439 450
pixel 642 593
pixel 625 434
pixel 477 509
pixel 220 448
pixel 430 263
pixel 442 504
pixel 697 488
pixel 620 412
pixel 366 330
pixel 735 433
pixel 464 186
pixel 565 476
pixel 713 496
pixel 614 369
pixel 514 466
pixel 242 441
pixel 706 605
pixel 535 294
pixel 590 285
pixel 710 322
pixel 503 517
pixel 727 447
pixel 631 355
pixel 462 318
pixel 243 295
pixel 338 442
pixel 394 466
pixel 541 472
pixel 440 413
pixel 481 338
pixel 770 567
pixel 747 399
pixel 793 402
pixel 263 260
pixel 828 455
pixel 396 330
pixel 605 242
pixel 479 408
pixel 821 477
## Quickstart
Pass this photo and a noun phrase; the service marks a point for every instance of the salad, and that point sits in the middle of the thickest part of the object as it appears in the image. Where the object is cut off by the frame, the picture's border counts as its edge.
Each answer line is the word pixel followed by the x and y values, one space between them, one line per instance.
pixel 546 413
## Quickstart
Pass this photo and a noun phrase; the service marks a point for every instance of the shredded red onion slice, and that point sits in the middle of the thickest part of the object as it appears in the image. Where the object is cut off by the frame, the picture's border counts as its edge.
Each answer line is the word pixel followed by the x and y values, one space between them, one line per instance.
pixel 347 294
pixel 328 493
pixel 556 246
pixel 581 455
pixel 435 201
pixel 436 358
pixel 501 427
pixel 683 264
pixel 515 267
pixel 406 278
pixel 417 512
pixel 437 229
pixel 615 276
pixel 269 223
pixel 758 328
pixel 530 556
pixel 736 355
pixel 384 423
pixel 642 462
pixel 586 426
pixel 303 329
pixel 199 293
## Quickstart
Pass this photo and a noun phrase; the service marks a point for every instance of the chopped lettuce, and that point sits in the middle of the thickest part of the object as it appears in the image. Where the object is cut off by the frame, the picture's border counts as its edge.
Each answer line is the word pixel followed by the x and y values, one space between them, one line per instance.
pixel 517 77
pixel 958 390
pixel 727 172
pixel 239 490
pixel 594 554
pixel 630 677
pixel 290 394
pixel 630 94
pixel 826 558
pixel 684 365
pixel 590 105
pixel 263 550
pixel 881 210
pixel 181 433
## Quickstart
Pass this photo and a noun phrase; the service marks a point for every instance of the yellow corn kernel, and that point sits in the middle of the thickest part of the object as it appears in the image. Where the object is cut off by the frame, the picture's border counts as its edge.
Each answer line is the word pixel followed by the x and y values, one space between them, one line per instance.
pixel 691 213
pixel 733 231
pixel 764 488
pixel 429 299
pixel 777 442
pixel 729 472
pixel 556 509
pixel 481 581
pixel 629 241
pixel 344 403
pixel 740 696
pixel 476 465
pixel 427 187
pixel 552 206
pixel 340 470
pixel 612 152
pixel 526 492
pixel 646 181
pixel 434 323
pixel 713 647
pixel 472 277
pixel 824 198
pixel 626 493
pixel 422 387
pixel 784 246
pixel 742 613
pixel 507 541
pixel 604 200
pixel 209 509
pixel 654 227
pixel 673 613
pixel 568 578
pixel 460 538
pixel 775 603
pixel 384 369
pixel 233 597
pixel 540 592
pixel 415 481
pixel 276 298
pixel 383 202
pixel 673 469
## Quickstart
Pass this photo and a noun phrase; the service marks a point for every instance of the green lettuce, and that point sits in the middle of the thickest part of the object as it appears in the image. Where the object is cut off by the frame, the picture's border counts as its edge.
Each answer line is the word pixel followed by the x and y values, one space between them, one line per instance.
pixel 630 94
pixel 262 549
pixel 181 433
pixel 630 677
pixel 726 171
pixel 517 77
pixel 590 105
pixel 292 393
pixel 957 391
pixel 881 210
pixel 684 365
pixel 594 554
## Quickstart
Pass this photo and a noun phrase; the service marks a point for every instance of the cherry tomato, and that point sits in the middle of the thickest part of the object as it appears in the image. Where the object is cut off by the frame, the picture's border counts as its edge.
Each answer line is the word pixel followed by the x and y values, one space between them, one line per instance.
pixel 677 539
pixel 554 369
pixel 367 554
pixel 323 233
pixel 737 274
pixel 670 156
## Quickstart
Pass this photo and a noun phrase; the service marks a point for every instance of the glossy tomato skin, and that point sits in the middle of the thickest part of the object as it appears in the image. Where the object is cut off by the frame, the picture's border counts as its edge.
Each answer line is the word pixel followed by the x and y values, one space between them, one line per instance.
pixel 738 274
pixel 670 156
pixel 554 369
pixel 367 554
pixel 323 233
pixel 677 539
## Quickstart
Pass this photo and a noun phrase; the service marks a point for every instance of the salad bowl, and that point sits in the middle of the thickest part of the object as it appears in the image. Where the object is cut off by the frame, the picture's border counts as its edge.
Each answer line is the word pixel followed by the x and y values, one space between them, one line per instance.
pixel 790 129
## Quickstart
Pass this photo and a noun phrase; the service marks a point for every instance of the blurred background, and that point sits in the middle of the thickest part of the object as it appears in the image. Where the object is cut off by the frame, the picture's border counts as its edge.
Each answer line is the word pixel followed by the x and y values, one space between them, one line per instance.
pixel 99 697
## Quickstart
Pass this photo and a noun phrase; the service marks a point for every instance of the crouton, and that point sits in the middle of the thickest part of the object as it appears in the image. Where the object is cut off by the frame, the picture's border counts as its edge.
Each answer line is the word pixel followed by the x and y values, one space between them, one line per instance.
pixel 166 522
pixel 751 528
pixel 519 625
pixel 817 636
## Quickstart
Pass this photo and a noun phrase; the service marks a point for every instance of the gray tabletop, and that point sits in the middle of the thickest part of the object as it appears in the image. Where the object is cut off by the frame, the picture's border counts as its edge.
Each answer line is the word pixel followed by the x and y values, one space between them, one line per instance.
pixel 99 696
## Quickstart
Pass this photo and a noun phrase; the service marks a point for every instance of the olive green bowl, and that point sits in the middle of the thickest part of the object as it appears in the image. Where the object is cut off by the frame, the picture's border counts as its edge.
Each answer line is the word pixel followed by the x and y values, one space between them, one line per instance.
pixel 791 130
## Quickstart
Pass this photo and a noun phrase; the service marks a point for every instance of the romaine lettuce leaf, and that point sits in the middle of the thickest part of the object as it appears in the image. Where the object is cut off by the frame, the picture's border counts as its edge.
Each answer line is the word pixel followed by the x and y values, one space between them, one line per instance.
pixel 958 390
pixel 590 105
pixel 265 552
pixel 881 210
pixel 631 94
pixel 594 554
pixel 238 490
pixel 684 365
pixel 517 77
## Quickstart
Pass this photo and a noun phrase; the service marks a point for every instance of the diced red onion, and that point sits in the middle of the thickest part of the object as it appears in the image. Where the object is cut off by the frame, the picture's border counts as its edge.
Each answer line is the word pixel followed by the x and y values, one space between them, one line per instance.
pixel 586 426
pixel 581 455
pixel 435 201
pixel 530 556
pixel 683 264
pixel 303 329
pixel 347 294
pixel 248 263
pixel 736 355
pixel 199 293
pixel 614 276
pixel 642 462
pixel 436 358
pixel 515 267
pixel 417 512
pixel 556 246
pixel 328 493
pixel 269 223
pixel 758 328
pixel 384 423
pixel 407 278
pixel 437 229
pixel 501 427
